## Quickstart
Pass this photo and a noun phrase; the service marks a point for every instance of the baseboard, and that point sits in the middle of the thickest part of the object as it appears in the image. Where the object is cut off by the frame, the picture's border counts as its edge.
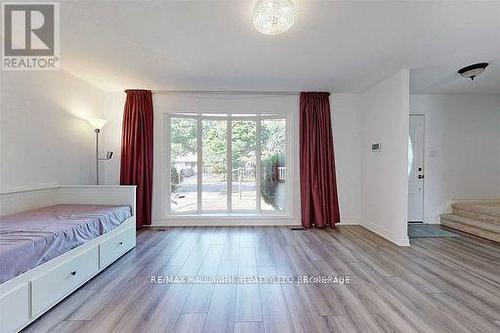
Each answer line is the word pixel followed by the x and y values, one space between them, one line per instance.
pixel 350 220
pixel 387 234
pixel 183 222
pixel 221 223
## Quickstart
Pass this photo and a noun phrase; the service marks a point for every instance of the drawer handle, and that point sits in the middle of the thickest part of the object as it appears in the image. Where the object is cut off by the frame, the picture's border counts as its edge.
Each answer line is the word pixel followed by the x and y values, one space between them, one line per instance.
pixel 73 273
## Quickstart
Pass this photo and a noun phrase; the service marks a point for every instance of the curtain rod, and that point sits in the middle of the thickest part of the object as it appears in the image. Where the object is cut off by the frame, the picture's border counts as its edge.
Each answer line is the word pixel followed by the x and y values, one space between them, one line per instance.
pixel 228 92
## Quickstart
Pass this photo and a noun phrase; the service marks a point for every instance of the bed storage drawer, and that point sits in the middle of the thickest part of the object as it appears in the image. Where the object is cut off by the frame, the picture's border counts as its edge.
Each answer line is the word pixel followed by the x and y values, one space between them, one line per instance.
pixel 58 282
pixel 114 247
pixel 14 309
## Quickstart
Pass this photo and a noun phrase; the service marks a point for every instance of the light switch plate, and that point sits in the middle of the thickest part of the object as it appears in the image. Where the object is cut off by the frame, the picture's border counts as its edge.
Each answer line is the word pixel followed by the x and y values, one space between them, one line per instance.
pixel 376 146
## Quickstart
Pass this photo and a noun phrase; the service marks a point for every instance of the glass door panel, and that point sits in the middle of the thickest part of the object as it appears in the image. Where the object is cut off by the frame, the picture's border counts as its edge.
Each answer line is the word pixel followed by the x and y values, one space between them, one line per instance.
pixel 273 165
pixel 214 167
pixel 243 153
pixel 183 165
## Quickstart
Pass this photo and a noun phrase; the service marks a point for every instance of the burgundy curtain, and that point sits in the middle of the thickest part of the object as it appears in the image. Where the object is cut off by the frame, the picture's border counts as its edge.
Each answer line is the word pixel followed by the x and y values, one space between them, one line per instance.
pixel 137 151
pixel 318 186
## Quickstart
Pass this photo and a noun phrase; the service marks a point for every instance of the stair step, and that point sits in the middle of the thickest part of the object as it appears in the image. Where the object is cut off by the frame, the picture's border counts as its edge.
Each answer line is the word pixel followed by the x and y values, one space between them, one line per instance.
pixel 483 208
pixel 470 229
pixel 475 215
pixel 490 226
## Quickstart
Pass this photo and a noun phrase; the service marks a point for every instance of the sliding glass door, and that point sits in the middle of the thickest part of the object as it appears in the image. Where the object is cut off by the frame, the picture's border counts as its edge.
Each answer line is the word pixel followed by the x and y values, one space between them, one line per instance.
pixel 227 163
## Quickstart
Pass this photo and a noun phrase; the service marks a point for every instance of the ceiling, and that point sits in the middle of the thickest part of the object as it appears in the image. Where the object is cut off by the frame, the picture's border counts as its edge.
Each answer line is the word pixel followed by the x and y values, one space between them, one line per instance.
pixel 340 46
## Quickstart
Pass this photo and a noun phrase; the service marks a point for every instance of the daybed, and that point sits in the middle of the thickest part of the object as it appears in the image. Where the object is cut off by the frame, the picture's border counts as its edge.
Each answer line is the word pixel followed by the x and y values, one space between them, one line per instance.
pixel 53 240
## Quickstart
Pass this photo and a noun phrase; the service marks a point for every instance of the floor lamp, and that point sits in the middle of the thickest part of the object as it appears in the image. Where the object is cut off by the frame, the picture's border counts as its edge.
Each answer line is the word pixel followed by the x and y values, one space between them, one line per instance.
pixel 97 124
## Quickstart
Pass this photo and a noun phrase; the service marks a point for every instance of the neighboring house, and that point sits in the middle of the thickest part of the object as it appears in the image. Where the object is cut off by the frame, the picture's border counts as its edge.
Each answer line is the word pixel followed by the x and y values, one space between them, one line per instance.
pixel 187 162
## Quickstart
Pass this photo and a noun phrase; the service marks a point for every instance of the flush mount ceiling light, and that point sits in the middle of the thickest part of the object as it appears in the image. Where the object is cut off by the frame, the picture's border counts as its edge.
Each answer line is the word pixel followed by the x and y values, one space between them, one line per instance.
pixel 471 71
pixel 272 17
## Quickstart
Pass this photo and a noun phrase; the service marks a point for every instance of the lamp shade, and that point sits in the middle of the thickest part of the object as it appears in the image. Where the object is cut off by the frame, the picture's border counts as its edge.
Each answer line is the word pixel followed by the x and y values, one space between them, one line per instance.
pixel 97 123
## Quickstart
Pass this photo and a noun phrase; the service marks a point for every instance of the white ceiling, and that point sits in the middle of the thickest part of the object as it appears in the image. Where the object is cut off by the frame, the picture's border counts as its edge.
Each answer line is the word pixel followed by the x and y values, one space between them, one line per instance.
pixel 338 46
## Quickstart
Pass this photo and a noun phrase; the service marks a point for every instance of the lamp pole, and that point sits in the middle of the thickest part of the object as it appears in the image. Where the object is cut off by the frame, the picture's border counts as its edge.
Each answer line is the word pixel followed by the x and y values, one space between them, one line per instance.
pixel 97 124
pixel 97 154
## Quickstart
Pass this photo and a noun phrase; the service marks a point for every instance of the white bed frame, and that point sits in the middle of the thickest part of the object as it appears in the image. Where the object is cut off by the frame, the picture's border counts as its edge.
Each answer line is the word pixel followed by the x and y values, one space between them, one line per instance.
pixel 26 297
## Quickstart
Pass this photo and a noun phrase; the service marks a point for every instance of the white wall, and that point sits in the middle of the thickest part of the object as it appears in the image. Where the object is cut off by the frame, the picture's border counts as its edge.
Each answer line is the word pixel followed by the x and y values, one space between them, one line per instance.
pixel 112 134
pixel 462 157
pixel 43 138
pixel 347 133
pixel 346 127
pixel 384 198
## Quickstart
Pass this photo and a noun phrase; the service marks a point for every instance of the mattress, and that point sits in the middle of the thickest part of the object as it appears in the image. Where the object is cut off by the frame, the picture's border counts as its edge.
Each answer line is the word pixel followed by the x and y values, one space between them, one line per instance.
pixel 31 238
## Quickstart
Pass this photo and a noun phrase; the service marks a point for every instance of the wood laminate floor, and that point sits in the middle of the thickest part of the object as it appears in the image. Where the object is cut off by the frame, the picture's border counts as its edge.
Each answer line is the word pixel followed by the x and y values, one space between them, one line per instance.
pixel 436 285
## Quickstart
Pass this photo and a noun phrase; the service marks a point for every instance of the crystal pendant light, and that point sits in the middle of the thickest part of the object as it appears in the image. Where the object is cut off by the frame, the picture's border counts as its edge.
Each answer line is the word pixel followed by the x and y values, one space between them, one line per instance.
pixel 272 17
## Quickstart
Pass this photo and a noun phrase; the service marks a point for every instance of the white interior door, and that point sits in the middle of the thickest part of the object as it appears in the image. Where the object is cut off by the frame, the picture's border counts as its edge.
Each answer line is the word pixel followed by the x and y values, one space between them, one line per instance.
pixel 416 169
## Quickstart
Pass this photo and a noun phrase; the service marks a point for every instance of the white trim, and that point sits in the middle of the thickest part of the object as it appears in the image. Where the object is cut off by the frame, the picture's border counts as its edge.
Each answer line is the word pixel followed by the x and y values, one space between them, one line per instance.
pixel 292 182
pixel 235 213
pixel 231 222
pixel 258 157
pixel 349 220
pixel 387 234
pixel 228 92
pixel 30 189
pixel 229 164
pixel 199 162
pixel 292 153
pixel 24 199
pixel 166 165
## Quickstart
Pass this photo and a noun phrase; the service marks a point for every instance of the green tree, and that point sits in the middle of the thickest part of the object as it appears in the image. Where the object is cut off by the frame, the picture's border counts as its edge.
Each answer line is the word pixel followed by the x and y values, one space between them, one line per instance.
pixel 243 143
pixel 183 134
pixel 215 146
pixel 273 136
